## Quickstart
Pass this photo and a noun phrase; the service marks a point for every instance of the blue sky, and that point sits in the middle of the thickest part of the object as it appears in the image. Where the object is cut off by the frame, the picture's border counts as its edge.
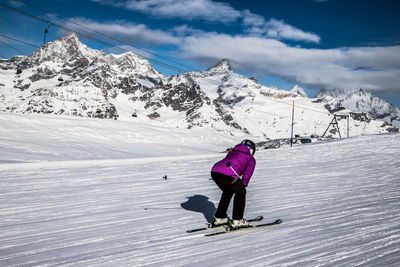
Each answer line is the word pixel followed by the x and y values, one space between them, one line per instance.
pixel 314 43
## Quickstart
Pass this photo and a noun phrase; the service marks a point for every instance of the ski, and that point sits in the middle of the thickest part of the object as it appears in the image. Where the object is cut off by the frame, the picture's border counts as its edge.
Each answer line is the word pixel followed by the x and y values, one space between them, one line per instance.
pixel 230 230
pixel 256 219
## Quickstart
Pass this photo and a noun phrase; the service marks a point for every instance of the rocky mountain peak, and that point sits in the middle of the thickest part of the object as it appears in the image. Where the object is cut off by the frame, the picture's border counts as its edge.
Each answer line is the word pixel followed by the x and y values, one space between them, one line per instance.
pixel 360 100
pixel 297 90
pixel 129 62
pixel 224 66
pixel 66 48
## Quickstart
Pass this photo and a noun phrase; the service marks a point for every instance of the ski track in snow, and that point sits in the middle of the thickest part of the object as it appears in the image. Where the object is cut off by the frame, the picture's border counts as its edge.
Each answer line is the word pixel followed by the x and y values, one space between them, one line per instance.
pixel 339 202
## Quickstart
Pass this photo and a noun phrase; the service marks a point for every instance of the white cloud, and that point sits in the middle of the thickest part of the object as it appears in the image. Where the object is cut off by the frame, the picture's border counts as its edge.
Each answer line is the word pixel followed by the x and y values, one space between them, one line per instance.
pixel 370 68
pixel 186 9
pixel 185 30
pixel 136 34
pixel 280 30
pixel 212 11
pixel 16 3
pixel 256 25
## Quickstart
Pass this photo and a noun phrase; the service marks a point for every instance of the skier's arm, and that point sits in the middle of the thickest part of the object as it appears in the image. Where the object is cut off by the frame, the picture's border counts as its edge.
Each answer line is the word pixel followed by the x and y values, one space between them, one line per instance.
pixel 249 171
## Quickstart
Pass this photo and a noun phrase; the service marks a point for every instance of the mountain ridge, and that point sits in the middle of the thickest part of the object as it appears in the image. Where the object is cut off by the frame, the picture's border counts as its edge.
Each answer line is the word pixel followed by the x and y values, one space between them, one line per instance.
pixel 67 77
pixel 359 100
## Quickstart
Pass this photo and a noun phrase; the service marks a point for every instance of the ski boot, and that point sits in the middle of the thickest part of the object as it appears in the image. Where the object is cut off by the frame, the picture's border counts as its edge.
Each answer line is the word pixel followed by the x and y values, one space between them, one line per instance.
pixel 219 221
pixel 237 224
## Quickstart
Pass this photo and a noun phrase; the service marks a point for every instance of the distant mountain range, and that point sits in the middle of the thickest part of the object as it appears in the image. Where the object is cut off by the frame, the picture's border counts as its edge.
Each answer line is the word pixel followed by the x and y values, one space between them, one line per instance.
pixel 361 101
pixel 66 77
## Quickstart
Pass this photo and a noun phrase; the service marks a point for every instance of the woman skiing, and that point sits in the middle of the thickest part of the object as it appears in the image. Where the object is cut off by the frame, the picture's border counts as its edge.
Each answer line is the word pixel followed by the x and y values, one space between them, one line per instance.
pixel 232 175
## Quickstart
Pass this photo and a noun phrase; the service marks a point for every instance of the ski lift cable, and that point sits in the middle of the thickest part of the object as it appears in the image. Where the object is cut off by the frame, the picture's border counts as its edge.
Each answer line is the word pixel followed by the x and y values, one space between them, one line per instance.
pixel 14 39
pixel 110 37
pixel 14 48
pixel 312 109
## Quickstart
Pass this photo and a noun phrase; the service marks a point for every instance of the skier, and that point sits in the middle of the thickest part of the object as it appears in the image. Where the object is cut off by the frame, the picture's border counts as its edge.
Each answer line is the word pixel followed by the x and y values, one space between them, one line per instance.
pixel 232 175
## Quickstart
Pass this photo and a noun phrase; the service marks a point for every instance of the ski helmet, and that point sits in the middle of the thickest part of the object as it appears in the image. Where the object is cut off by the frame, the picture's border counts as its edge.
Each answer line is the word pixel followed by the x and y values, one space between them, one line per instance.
pixel 250 144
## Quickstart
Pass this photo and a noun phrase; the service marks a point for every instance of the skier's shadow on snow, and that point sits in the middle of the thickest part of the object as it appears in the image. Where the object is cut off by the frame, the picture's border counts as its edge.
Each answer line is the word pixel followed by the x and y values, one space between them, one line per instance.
pixel 199 203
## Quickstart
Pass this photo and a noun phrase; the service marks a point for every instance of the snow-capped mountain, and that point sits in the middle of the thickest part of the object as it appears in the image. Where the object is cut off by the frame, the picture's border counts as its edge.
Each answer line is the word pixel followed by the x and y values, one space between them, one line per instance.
pixel 360 101
pixel 66 77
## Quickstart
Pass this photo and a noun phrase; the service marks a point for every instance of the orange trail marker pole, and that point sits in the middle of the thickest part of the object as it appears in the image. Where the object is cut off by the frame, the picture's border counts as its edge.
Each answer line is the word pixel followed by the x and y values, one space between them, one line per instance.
pixel 291 136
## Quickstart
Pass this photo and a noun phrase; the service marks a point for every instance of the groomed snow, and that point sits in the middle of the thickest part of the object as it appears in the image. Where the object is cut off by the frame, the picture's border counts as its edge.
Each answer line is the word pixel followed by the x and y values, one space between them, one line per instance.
pixel 87 192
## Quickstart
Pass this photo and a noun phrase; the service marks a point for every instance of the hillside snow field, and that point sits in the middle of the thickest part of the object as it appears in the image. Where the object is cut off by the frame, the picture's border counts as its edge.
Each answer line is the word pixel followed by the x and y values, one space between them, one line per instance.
pixel 85 192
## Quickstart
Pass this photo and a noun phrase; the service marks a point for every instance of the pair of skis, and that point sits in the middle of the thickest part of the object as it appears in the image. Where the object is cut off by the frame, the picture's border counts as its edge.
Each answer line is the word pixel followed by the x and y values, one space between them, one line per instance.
pixel 228 229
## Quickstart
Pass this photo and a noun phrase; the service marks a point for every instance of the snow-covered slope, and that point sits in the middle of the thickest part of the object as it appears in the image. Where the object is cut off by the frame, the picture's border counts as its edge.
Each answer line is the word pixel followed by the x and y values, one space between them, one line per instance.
pixel 91 192
pixel 65 77
pixel 74 138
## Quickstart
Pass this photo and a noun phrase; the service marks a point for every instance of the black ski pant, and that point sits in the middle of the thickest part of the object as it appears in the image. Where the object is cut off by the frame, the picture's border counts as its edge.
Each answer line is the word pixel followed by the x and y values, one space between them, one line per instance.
pixel 230 186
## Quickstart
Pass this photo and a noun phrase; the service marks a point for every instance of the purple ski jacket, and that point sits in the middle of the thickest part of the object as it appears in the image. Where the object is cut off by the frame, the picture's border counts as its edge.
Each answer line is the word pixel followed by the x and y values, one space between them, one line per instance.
pixel 241 161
